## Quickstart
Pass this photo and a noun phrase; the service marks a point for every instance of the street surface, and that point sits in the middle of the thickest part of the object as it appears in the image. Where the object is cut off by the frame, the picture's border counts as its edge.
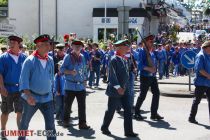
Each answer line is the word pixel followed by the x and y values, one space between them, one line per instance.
pixel 174 127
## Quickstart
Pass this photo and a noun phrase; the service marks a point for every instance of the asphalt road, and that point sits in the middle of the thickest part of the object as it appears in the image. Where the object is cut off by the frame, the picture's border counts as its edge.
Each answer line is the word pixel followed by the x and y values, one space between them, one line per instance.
pixel 175 126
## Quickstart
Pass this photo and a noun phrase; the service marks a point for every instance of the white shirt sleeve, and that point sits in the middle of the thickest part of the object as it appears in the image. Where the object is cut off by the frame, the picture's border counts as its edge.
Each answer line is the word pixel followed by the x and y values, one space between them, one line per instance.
pixel 117 87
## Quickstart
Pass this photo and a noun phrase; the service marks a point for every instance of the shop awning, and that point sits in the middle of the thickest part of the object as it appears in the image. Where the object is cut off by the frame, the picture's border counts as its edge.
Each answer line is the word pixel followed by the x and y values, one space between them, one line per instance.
pixel 99 12
pixel 112 12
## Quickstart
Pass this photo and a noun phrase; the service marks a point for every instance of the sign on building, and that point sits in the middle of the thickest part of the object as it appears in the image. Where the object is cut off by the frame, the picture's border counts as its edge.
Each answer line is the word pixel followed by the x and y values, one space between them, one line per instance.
pixel 105 20
pixel 6 30
pixel 7 27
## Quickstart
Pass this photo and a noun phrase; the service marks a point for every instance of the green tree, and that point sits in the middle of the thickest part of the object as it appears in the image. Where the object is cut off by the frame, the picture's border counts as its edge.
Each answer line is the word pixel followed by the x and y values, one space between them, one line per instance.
pixel 3 40
pixel 207 11
pixel 3 2
pixel 174 32
pixel 30 45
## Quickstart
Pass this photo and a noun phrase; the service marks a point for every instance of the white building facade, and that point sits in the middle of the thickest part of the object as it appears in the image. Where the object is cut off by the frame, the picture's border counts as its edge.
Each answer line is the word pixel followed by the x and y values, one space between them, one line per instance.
pixel 59 17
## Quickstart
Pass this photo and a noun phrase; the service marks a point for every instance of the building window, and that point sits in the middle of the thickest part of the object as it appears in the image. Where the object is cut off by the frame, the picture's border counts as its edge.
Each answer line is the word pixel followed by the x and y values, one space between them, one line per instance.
pixel 3 13
pixel 111 34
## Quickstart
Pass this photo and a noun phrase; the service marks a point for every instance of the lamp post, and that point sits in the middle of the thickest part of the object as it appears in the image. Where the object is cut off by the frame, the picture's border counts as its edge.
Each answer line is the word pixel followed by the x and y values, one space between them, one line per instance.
pixel 56 19
pixel 39 2
pixel 105 10
pixel 123 30
pixel 40 16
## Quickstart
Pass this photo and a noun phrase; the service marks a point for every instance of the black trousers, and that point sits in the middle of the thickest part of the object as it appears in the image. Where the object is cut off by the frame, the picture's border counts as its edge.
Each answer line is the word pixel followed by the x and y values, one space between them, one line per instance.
pixel 113 103
pixel 145 84
pixel 199 92
pixel 81 100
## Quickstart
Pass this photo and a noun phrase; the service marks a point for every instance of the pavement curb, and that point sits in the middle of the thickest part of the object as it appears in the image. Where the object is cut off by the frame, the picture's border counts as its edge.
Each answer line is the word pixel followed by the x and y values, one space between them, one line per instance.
pixel 179 95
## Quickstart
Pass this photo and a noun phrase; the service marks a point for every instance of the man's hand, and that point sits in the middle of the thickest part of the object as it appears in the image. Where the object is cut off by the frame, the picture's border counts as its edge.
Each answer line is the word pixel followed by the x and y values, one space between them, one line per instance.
pixel 70 72
pixel 3 91
pixel 73 72
pixel 204 73
pixel 30 100
pixel 121 91
pixel 58 93
pixel 135 70
pixel 208 76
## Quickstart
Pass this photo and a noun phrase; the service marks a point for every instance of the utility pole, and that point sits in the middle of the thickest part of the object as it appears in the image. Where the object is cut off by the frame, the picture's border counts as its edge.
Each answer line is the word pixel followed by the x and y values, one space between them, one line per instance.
pixel 40 14
pixel 56 19
pixel 105 10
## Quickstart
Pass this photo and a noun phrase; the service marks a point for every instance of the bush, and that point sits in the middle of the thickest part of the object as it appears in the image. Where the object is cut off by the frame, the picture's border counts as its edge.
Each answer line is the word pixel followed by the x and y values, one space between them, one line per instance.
pixel 173 33
pixel 30 45
pixel 207 11
pixel 102 45
pixel 3 40
pixel 3 2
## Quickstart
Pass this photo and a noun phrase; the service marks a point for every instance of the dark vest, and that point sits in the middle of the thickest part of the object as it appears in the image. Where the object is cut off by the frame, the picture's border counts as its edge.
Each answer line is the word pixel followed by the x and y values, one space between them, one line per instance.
pixel 118 75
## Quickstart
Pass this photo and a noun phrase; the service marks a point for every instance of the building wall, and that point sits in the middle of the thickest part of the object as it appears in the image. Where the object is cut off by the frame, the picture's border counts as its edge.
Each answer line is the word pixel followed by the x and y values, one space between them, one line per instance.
pixel 154 25
pixel 73 16
pixel 78 18
pixel 49 18
pixel 23 14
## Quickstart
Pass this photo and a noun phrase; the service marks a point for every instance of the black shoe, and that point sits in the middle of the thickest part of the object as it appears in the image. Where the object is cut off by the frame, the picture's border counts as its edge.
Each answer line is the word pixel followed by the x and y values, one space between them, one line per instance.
pixel 139 117
pixel 2 135
pixel 84 126
pixel 66 124
pixel 156 117
pixel 105 131
pixel 192 120
pixel 131 135
pixel 118 110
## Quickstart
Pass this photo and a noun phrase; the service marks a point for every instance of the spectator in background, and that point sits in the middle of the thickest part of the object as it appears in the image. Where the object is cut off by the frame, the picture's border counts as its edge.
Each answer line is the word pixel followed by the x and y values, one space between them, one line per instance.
pixel 95 63
pixel 168 60
pixel 176 61
pixel 161 59
pixel 3 50
pixel 59 92
pixel 23 49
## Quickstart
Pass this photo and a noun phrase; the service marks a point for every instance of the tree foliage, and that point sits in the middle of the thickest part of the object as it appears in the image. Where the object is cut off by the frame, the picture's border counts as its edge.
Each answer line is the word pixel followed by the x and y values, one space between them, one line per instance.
pixel 174 32
pixel 3 2
pixel 30 45
pixel 207 11
pixel 3 40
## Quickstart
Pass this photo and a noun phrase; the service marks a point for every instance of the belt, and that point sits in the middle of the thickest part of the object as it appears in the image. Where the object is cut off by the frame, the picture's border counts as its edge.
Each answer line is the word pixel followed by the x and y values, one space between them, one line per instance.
pixel 76 82
pixel 38 93
pixel 11 84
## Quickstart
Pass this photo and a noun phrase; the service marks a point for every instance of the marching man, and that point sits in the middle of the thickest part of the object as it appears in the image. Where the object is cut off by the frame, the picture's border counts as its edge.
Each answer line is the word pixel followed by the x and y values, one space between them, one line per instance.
pixel 118 90
pixel 36 80
pixel 10 68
